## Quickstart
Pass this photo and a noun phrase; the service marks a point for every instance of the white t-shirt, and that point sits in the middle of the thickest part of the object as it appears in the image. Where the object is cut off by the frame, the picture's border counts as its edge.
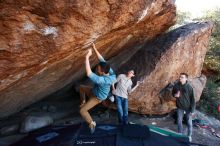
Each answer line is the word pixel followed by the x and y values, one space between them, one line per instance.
pixel 123 86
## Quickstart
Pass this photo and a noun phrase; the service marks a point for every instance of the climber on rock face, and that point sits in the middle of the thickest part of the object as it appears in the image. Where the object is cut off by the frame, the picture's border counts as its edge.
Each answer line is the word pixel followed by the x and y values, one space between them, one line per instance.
pixel 102 79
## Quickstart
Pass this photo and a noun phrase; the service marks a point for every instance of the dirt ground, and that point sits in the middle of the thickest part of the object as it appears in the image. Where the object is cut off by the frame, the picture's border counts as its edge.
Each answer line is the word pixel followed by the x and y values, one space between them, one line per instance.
pixel 200 136
pixel 104 116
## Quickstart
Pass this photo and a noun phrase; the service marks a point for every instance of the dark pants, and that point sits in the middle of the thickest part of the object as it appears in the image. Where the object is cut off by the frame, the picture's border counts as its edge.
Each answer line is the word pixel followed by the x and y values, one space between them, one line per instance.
pixel 122 108
pixel 180 114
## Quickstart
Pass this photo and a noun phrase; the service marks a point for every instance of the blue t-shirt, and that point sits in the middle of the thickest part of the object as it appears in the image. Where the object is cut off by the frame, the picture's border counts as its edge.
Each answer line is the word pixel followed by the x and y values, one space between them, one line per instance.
pixel 102 83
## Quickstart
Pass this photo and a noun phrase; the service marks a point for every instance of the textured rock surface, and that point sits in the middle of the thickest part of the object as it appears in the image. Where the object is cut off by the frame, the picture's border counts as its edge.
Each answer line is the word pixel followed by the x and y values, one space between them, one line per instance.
pixel 160 62
pixel 198 85
pixel 32 123
pixel 43 43
pixel 9 129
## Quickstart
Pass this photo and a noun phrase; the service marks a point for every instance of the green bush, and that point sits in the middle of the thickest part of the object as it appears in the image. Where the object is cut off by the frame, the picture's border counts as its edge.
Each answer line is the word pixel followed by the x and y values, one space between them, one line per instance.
pixel 212 60
pixel 210 99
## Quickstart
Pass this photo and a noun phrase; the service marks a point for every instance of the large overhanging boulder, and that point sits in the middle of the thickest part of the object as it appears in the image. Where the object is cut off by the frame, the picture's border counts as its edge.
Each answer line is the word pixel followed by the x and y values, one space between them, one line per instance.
pixel 43 43
pixel 159 62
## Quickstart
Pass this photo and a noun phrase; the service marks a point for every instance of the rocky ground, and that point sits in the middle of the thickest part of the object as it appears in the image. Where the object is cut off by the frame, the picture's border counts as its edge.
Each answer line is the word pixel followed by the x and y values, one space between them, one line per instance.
pixel 201 136
pixel 12 128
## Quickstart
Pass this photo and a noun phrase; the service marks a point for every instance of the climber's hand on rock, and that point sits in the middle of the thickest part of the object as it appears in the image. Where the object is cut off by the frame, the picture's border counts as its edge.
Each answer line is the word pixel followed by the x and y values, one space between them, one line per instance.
pixel 89 53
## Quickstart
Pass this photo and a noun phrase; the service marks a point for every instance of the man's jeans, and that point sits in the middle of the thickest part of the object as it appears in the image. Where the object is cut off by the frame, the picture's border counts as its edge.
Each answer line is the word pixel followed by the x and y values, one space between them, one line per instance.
pixel 122 108
pixel 180 114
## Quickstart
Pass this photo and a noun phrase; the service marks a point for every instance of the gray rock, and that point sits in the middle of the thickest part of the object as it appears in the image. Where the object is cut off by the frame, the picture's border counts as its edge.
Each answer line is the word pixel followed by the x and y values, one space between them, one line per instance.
pixel 44 107
pixel 104 115
pixel 32 123
pixel 9 129
pixel 52 108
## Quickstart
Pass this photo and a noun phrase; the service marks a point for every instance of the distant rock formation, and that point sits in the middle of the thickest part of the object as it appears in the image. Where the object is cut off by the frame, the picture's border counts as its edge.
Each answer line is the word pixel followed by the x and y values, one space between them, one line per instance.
pixel 160 62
